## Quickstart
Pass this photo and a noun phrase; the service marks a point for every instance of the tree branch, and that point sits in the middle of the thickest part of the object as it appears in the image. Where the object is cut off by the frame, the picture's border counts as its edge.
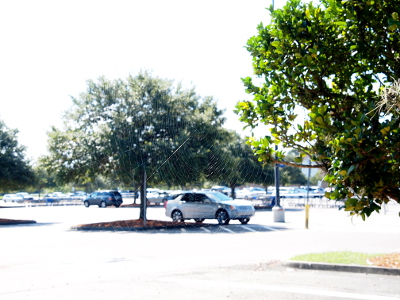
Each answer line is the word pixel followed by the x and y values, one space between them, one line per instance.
pixel 296 165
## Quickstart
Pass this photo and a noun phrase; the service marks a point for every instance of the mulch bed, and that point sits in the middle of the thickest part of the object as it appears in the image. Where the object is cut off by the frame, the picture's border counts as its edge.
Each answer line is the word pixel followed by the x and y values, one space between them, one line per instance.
pixel 139 223
pixel 130 205
pixel 15 222
pixel 387 261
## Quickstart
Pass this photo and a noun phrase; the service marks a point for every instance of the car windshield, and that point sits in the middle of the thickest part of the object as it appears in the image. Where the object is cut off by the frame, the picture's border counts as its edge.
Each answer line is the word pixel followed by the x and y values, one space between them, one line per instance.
pixel 218 197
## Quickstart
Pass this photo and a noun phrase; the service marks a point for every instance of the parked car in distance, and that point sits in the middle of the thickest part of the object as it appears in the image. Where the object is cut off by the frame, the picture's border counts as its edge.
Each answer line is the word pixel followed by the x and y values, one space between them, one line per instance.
pixel 79 195
pixel 26 196
pixel 103 198
pixel 267 199
pixel 156 197
pixel 55 197
pixel 315 191
pixel 222 189
pixel 249 193
pixel 13 198
pixel 128 194
pixel 292 193
pixel 208 205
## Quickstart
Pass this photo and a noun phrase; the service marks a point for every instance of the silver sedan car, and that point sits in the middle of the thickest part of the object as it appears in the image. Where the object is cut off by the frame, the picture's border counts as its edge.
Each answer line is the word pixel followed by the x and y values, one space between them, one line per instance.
pixel 13 198
pixel 208 205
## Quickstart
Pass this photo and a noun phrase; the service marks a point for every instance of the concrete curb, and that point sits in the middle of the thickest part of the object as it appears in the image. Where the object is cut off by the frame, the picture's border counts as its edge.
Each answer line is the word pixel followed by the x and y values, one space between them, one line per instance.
pixel 341 267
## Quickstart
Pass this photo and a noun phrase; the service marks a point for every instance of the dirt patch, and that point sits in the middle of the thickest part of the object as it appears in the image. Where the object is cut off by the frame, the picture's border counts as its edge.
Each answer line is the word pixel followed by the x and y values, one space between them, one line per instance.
pixel 388 261
pixel 130 205
pixel 15 222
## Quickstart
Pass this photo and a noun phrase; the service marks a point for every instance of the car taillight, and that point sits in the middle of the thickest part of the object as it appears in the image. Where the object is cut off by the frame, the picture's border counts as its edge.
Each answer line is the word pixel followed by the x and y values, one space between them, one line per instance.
pixel 110 199
pixel 165 204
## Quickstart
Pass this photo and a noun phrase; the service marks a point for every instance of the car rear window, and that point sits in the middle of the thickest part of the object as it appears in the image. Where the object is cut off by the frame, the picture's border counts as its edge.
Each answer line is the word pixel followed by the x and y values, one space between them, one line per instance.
pixel 117 195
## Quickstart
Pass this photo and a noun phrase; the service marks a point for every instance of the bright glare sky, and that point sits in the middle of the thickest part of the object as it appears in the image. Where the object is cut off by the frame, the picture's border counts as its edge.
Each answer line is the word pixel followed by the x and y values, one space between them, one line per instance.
pixel 50 48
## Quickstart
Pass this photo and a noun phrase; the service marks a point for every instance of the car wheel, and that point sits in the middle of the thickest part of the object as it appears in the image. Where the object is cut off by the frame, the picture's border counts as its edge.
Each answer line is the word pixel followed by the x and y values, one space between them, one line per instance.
pixel 223 217
pixel 118 204
pixel 199 220
pixel 103 204
pixel 246 198
pixel 177 216
pixel 86 203
pixel 244 220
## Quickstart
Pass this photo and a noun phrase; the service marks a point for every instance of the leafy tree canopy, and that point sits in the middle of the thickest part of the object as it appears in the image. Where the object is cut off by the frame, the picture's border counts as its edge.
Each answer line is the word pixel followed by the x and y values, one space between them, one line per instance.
pixel 233 163
pixel 322 69
pixel 121 128
pixel 15 170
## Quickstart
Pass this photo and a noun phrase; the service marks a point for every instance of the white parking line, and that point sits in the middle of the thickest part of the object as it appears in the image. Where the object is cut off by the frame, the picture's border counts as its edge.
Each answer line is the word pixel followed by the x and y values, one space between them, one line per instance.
pixel 226 229
pixel 183 229
pixel 248 228
pixel 205 229
pixel 269 228
pixel 284 289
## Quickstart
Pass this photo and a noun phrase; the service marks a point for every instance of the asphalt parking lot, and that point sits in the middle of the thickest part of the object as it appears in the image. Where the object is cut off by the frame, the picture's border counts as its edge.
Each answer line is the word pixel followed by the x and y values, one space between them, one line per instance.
pixel 48 260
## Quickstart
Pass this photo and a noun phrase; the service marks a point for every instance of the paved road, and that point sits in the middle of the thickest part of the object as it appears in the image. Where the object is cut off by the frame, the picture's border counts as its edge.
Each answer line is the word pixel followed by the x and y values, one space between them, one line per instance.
pixel 50 261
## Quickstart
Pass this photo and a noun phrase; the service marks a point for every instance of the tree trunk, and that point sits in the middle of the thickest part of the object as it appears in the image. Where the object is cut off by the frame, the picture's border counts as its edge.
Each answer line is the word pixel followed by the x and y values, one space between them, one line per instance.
pixel 142 203
pixel 143 198
pixel 233 193
pixel 135 194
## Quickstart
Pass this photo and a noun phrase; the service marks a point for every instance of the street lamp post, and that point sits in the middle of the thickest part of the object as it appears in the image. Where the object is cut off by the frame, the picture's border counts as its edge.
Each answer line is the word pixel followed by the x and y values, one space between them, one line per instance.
pixel 277 211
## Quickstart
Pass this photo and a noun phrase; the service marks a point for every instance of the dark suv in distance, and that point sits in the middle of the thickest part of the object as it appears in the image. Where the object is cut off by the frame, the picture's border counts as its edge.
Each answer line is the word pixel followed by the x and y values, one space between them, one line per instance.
pixel 103 199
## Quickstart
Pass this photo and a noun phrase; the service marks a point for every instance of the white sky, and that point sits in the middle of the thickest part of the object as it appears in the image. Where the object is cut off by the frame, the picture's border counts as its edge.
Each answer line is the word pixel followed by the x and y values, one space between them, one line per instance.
pixel 50 48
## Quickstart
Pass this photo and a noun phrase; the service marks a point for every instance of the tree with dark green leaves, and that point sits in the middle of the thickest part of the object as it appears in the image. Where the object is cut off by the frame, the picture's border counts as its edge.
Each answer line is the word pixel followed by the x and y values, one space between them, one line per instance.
pixel 233 162
pixel 322 69
pixel 15 169
pixel 290 175
pixel 42 180
pixel 125 128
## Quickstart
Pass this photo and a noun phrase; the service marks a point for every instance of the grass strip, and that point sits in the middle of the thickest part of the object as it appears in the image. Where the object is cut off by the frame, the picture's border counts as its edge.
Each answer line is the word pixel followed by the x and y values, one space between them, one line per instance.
pixel 344 257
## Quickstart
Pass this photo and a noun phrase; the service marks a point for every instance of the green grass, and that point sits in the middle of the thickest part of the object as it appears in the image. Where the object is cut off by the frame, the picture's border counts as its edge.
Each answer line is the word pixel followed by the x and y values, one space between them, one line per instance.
pixel 337 257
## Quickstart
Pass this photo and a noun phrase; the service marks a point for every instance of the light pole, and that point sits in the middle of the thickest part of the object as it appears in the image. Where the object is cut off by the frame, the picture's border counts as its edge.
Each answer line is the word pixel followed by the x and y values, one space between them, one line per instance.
pixel 277 211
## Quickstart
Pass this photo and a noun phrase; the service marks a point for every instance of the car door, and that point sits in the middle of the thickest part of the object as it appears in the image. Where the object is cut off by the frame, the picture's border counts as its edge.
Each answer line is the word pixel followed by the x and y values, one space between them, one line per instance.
pixel 94 198
pixel 103 196
pixel 188 206
pixel 205 207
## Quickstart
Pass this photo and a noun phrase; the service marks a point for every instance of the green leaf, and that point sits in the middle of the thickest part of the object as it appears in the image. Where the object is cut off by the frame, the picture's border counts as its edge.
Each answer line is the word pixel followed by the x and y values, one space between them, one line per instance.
pixel 352 167
pixel 320 120
pixel 340 23
pixel 298 160
pixel 276 44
